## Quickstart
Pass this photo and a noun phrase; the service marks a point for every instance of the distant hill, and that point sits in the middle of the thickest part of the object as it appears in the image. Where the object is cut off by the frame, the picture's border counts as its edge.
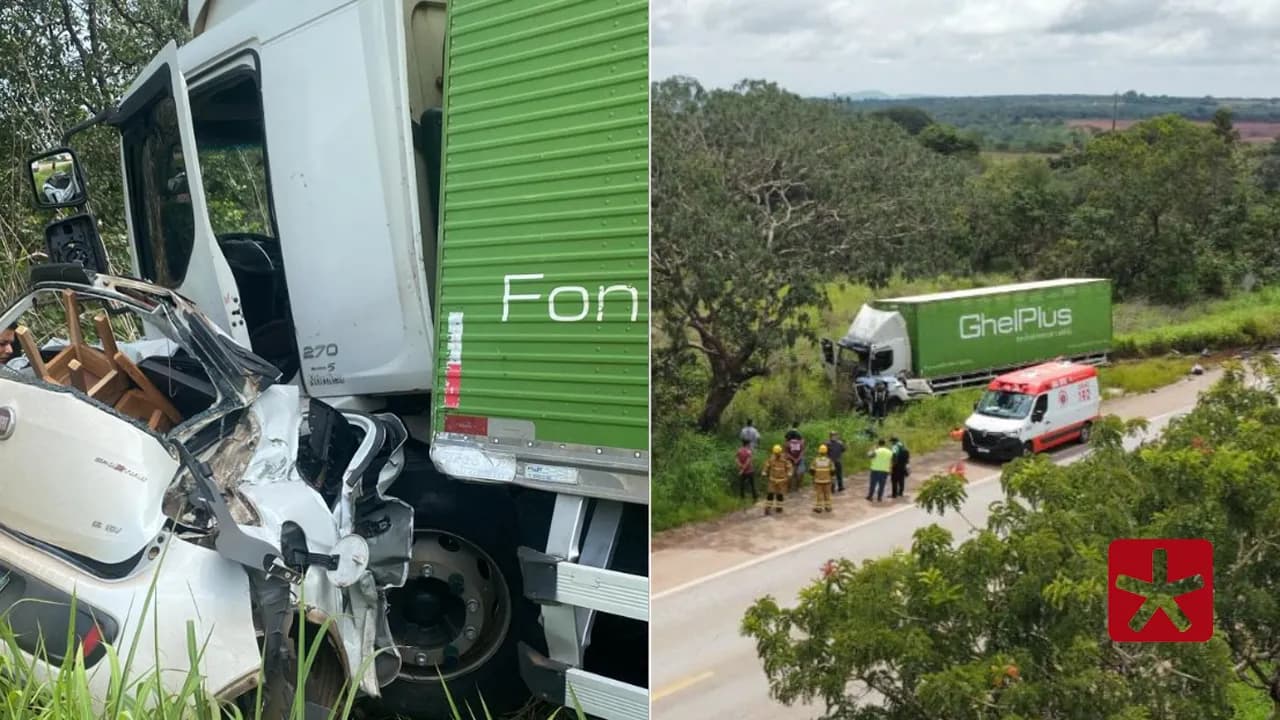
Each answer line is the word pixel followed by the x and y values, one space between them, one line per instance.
pixel 1129 106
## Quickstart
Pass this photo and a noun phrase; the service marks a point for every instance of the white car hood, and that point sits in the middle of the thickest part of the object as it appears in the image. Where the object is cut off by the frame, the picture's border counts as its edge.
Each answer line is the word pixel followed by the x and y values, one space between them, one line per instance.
pixel 986 423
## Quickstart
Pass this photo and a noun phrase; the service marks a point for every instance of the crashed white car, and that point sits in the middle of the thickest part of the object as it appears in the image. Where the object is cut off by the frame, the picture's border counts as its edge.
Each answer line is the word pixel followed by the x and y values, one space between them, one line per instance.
pixel 167 483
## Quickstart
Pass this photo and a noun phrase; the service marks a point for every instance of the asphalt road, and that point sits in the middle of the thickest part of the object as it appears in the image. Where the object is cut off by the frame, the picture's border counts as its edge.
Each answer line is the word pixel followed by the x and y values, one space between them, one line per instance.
pixel 703 667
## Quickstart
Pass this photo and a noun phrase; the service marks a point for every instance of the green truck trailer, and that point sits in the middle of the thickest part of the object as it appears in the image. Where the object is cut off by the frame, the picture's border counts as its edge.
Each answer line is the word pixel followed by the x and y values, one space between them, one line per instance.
pixel 930 344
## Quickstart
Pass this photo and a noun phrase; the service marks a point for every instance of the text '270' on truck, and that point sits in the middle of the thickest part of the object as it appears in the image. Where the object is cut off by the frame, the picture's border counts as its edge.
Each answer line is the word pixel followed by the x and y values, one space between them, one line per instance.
pixel 379 366
pixel 932 344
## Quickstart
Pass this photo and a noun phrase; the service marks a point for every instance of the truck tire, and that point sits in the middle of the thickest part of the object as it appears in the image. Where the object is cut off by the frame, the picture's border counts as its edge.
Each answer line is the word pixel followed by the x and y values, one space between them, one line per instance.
pixel 479 522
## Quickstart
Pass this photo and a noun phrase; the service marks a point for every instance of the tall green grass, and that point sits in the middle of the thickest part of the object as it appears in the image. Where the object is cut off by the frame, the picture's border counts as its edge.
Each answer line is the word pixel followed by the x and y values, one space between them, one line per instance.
pixel 1246 321
pixel 67 694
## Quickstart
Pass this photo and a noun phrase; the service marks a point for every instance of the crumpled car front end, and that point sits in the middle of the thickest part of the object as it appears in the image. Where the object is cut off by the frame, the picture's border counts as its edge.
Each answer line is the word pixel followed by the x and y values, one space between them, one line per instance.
pixel 171 482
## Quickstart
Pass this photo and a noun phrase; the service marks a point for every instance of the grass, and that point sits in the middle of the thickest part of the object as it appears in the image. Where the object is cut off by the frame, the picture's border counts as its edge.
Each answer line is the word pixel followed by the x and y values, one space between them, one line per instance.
pixel 67 694
pixel 695 477
pixel 1246 321
pixel 31 688
pixel 1248 703
pixel 1140 376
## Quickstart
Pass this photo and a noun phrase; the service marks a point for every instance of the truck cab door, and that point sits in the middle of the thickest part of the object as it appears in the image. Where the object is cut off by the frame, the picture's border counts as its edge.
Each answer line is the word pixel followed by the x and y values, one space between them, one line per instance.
pixel 172 241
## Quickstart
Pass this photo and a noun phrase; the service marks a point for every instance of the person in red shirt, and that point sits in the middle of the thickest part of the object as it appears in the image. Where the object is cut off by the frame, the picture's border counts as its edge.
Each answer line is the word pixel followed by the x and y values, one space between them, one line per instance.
pixel 746 471
pixel 795 453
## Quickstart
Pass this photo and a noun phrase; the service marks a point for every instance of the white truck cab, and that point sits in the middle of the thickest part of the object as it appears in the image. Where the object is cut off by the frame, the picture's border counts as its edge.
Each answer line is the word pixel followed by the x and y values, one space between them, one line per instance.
pixel 1032 410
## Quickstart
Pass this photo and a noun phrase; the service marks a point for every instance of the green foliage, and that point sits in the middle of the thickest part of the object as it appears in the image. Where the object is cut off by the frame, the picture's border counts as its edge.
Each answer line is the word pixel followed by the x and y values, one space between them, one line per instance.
pixel 1159 212
pixel 947 140
pixel 1011 621
pixel 757 194
pixel 61 61
pixel 911 119
pixel 1249 321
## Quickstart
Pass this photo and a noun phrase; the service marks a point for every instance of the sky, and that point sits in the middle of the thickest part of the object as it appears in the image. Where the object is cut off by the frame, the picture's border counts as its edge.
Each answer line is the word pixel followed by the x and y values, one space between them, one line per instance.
pixel 1224 48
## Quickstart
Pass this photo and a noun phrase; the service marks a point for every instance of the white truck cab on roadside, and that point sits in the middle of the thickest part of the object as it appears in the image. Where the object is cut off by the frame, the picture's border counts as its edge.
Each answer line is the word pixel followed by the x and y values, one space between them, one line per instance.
pixel 1032 410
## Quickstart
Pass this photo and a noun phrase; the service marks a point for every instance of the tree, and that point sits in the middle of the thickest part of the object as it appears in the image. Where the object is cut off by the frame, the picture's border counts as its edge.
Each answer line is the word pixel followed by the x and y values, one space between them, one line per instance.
pixel 759 198
pixel 911 119
pixel 1017 213
pixel 1161 205
pixel 1223 126
pixel 1010 623
pixel 948 141
pixel 61 61
pixel 1268 170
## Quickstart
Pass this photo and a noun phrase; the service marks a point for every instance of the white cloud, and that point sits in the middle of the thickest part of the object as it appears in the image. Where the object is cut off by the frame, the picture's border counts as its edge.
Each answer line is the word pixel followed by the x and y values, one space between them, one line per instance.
pixel 1192 47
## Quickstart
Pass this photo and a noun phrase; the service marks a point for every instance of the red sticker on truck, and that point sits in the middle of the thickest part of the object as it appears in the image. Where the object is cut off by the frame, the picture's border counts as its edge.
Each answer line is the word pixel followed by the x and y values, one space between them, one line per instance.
pixel 453 364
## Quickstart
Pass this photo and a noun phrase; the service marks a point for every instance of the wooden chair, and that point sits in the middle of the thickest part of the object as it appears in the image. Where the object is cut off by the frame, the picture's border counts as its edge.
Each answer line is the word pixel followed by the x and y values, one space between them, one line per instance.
pixel 106 375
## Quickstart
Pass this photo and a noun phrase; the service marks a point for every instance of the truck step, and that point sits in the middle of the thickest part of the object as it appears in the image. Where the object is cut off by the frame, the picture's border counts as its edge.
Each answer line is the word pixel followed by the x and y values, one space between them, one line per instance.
pixel 548 579
pixel 572 581
pixel 596 695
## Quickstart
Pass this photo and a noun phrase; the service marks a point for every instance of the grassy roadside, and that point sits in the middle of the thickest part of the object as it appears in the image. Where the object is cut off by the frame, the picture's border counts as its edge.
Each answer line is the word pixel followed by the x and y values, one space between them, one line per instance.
pixel 694 475
pixel 698 476
pixel 66 693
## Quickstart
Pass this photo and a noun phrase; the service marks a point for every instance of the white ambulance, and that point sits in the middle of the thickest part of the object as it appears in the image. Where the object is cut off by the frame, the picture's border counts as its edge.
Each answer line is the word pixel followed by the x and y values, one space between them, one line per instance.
pixel 1033 409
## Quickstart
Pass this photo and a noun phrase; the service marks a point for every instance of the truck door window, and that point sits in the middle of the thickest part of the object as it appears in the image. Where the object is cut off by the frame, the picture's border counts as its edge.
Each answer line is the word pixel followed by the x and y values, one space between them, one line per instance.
pixel 881 360
pixel 163 217
pixel 1042 404
pixel 233 163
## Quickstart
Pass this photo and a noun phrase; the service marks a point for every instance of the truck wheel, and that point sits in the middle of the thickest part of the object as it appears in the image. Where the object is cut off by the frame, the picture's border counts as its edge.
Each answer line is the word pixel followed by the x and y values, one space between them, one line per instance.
pixel 462 612
pixel 1085 432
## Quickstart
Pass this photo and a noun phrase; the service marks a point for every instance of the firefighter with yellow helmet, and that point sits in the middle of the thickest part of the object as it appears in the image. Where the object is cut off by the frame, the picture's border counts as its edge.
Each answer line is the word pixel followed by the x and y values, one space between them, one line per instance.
pixel 777 469
pixel 824 473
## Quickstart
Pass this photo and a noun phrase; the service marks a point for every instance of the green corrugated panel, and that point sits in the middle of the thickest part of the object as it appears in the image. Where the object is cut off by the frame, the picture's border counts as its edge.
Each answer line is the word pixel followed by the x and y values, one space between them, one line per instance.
pixel 546 173
pixel 938 326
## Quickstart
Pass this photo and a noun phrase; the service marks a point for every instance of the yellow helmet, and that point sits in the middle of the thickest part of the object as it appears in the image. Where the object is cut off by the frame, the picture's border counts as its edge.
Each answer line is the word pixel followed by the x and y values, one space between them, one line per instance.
pixel 777 449
pixel 822 449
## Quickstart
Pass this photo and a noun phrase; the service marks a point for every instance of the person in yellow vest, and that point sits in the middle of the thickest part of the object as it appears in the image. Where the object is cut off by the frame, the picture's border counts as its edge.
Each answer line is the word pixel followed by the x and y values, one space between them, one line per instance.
pixel 824 472
pixel 881 464
pixel 777 470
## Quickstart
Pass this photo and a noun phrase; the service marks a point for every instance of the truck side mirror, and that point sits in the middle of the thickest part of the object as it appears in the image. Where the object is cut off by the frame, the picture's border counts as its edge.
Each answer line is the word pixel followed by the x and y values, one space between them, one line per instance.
pixel 57 180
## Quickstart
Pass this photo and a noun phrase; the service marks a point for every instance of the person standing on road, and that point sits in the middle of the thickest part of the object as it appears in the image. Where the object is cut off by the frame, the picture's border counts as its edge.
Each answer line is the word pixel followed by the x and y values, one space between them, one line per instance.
pixel 823 470
pixel 795 453
pixel 835 451
pixel 750 435
pixel 746 471
pixel 881 464
pixel 777 469
pixel 898 475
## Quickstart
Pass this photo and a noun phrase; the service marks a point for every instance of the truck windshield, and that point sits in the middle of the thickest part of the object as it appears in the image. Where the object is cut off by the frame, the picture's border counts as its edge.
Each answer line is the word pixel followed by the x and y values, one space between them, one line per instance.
pixel 873 363
pixel 1004 404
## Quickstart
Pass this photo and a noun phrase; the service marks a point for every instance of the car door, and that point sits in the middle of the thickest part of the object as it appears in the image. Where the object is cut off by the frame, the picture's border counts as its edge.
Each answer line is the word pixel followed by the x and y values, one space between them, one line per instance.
pixel 173 244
